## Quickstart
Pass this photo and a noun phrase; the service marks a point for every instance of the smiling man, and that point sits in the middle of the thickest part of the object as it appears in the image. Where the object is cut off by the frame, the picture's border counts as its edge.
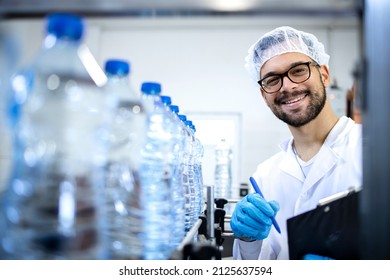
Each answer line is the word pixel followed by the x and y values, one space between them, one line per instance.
pixel 322 157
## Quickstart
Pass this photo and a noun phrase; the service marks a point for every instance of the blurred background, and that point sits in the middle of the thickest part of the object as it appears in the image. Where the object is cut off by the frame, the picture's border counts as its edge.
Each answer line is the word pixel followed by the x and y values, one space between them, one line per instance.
pixel 196 50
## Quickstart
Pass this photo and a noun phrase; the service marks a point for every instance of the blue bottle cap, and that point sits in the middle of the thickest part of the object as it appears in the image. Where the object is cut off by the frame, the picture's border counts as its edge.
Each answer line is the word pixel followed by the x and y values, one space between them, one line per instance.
pixel 174 108
pixel 151 88
pixel 166 100
pixel 117 67
pixel 183 117
pixel 63 25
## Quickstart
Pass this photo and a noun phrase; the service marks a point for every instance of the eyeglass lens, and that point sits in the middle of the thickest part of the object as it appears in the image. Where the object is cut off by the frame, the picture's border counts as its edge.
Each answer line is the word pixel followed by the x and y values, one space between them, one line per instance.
pixel 296 74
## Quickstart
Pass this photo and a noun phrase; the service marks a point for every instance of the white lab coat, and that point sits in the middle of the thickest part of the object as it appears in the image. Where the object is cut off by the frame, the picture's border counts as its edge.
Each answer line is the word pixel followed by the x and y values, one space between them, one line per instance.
pixel 338 166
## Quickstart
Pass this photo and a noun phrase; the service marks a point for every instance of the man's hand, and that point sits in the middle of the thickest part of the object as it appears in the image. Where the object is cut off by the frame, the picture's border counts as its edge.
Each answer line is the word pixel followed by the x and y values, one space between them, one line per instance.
pixel 251 219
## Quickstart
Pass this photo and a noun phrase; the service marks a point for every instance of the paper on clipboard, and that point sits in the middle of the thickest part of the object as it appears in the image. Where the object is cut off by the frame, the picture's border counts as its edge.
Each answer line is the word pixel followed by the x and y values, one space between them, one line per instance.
pixel 330 230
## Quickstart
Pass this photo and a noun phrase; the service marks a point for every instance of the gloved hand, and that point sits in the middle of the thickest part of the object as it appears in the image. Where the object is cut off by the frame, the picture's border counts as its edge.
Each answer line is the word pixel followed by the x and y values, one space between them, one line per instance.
pixel 251 219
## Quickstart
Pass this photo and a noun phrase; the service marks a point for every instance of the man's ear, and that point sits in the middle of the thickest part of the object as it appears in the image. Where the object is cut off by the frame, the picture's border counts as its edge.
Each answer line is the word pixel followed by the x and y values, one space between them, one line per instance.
pixel 264 95
pixel 262 92
pixel 325 76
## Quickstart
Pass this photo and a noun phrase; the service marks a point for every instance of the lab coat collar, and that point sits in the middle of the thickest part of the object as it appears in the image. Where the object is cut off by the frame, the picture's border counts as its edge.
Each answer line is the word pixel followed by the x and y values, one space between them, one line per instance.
pixel 327 157
pixel 342 127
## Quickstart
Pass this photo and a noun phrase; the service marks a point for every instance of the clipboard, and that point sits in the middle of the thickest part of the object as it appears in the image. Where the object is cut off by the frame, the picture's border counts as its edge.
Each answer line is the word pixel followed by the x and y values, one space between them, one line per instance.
pixel 330 230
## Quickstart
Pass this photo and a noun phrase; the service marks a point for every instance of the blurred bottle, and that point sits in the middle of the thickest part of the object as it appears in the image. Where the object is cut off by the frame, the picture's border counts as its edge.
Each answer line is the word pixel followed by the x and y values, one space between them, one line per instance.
pixel 176 188
pixel 188 176
pixel 223 170
pixel 128 132
pixel 151 220
pixel 195 163
pixel 9 56
pixel 198 158
pixel 54 197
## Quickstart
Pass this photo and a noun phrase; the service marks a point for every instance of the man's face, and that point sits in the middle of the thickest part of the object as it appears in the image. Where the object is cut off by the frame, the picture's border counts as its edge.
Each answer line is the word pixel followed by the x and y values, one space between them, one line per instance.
pixel 296 103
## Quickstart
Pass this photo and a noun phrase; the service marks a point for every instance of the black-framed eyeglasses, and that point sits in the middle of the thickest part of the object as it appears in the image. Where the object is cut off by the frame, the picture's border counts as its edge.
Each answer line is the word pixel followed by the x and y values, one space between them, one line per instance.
pixel 297 74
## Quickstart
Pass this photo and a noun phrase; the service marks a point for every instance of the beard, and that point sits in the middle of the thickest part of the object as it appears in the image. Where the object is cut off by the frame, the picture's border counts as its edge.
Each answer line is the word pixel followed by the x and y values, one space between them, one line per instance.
pixel 300 118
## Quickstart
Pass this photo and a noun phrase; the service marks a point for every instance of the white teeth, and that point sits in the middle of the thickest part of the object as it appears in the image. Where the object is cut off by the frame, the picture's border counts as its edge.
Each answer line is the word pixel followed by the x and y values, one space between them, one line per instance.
pixel 295 100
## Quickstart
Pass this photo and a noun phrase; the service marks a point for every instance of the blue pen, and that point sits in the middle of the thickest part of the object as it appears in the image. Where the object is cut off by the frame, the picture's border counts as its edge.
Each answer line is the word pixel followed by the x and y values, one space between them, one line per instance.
pixel 257 190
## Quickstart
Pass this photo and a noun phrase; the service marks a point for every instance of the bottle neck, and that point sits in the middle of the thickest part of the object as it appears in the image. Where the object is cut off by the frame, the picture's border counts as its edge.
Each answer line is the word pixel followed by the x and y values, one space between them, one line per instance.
pixel 52 41
pixel 121 86
pixel 152 102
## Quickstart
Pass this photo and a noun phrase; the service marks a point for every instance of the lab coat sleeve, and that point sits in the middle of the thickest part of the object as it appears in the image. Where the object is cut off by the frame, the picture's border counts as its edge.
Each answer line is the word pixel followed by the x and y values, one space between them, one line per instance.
pixel 256 250
pixel 243 250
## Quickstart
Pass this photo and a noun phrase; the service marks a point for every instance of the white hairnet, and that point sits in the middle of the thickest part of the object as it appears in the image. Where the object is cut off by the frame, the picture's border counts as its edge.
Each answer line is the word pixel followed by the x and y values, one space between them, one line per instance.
pixel 281 40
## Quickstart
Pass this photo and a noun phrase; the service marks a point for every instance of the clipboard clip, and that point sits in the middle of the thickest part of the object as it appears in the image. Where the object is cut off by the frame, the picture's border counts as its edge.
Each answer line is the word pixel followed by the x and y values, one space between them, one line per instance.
pixel 337 196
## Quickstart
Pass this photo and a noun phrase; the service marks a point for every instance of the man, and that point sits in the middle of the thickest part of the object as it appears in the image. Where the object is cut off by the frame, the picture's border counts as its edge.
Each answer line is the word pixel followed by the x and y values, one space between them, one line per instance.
pixel 323 156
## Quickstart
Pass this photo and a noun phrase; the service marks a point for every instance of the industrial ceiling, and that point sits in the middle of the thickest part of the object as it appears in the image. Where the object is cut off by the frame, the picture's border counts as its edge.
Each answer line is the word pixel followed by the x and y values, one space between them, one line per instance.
pixel 17 8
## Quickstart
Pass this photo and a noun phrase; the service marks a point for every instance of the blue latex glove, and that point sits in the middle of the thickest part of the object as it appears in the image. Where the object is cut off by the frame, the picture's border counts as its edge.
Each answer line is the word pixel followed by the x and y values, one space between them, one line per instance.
pixel 251 219
pixel 315 257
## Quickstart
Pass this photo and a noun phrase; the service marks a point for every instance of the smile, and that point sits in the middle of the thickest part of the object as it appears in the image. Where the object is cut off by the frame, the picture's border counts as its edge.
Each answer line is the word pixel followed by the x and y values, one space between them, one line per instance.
pixel 294 100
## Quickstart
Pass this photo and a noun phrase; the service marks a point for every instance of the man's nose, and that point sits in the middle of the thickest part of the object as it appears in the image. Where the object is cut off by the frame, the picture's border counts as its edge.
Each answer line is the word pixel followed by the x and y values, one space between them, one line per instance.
pixel 287 84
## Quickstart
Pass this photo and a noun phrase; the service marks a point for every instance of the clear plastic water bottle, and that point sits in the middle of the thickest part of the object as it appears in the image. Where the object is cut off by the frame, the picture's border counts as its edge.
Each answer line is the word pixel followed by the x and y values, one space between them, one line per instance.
pixel 53 205
pixel 176 188
pixel 150 214
pixel 197 185
pixel 223 170
pixel 9 55
pixel 198 158
pixel 128 133
pixel 199 167
pixel 188 177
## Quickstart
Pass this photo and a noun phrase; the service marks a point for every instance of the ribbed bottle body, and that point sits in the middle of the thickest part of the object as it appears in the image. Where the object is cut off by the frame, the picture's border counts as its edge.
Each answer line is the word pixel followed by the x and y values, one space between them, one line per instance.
pixel 176 187
pixel 150 212
pixel 127 137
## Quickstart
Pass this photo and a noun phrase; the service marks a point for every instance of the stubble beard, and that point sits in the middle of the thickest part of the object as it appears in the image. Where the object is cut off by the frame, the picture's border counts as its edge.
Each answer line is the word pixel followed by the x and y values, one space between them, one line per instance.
pixel 300 118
